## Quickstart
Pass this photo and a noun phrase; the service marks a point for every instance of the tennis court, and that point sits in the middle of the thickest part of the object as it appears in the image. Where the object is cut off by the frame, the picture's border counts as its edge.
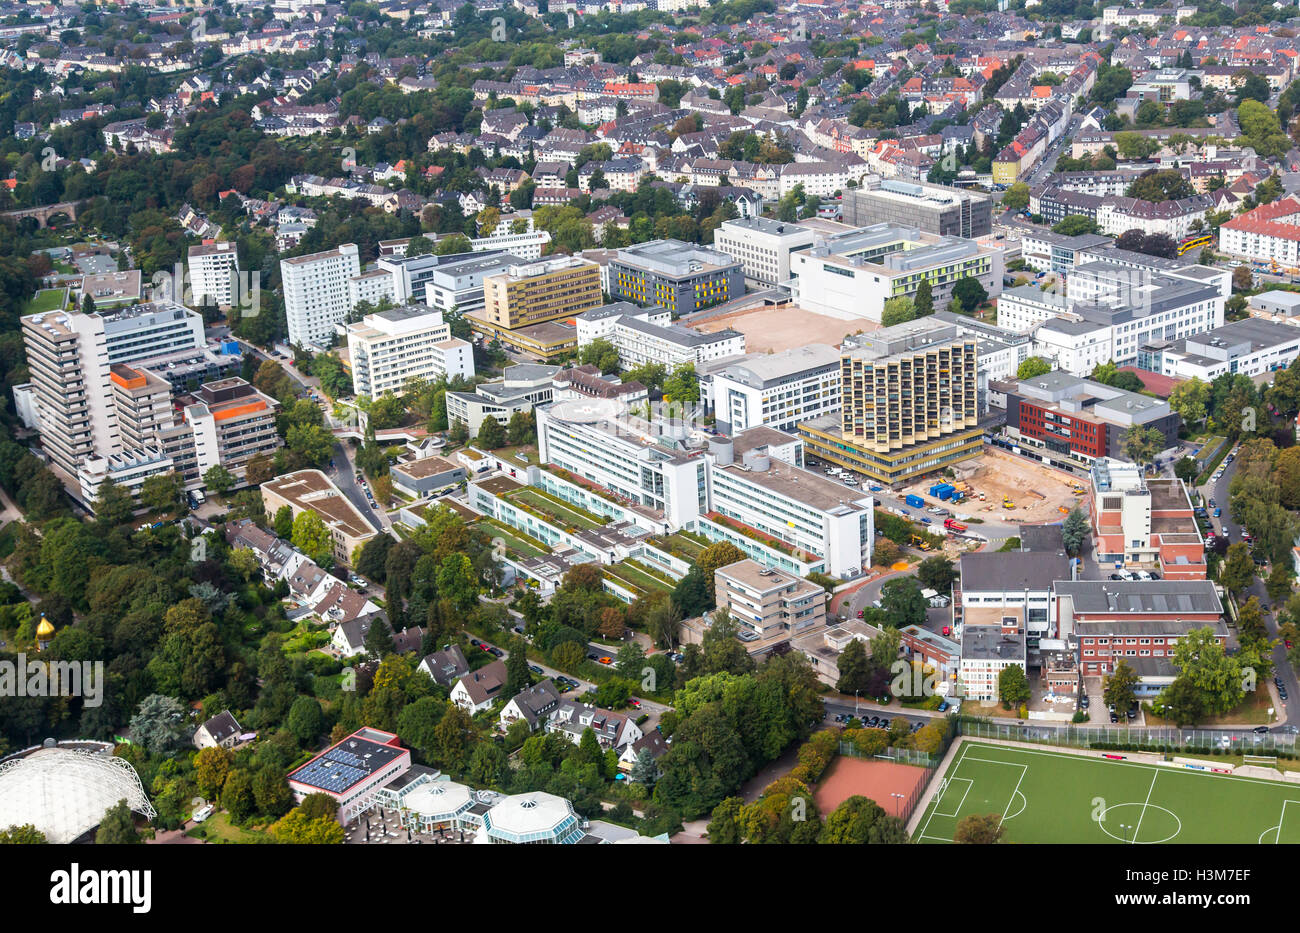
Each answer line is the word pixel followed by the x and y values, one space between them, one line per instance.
pixel 1044 796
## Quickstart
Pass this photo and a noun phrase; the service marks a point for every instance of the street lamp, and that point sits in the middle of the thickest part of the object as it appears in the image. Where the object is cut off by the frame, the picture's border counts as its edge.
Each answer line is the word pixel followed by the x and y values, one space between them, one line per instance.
pixel 855 704
pixel 1124 830
pixel 897 797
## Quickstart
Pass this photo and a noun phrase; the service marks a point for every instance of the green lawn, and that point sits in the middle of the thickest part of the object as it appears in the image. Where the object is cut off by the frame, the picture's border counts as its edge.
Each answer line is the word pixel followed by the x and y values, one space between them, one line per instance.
pixel 637 577
pixel 564 514
pixel 1045 796
pixel 513 540
pixel 47 299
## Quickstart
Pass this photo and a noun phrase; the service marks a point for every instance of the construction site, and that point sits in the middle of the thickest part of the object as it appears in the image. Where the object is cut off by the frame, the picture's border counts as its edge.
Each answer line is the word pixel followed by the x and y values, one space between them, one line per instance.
pixel 1001 486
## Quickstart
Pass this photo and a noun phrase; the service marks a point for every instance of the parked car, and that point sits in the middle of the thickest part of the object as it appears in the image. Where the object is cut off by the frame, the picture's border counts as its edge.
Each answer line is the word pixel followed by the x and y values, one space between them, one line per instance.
pixel 1113 716
pixel 606 660
pixel 1084 701
pixel 535 669
pixel 1260 730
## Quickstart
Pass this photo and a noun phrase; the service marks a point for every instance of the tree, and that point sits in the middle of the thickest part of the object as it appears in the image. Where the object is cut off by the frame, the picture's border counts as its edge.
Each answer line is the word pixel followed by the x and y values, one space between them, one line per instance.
pixel 118 826
pixel 24 835
pixel 1187 469
pixel 300 827
pixel 1243 280
pixel 937 573
pixel 1013 686
pixel 306 720
pixel 902 601
pixel 692 596
pixel 1075 225
pixel 159 725
pixel 161 492
pixel 113 505
pixel 1141 444
pixel 979 830
pixel 855 668
pixel 457 581
pixel 1182 702
pixel 211 768
pixel 1188 399
pixel 682 384
pixel 645 771
pixel 1033 366
pixel 1016 197
pixel 1238 570
pixel 1074 530
pixel 218 479
pixel 601 353
pixel 716 555
pixel 924 299
pixel 1217 676
pixel 969 293
pixel 311 536
pixel 897 311
pixel 491 434
pixel 1120 685
pixel 283 523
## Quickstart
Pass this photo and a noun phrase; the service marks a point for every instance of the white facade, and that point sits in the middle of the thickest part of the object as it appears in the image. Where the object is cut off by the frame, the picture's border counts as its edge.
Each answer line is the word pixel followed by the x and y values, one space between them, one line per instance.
pixel 762 247
pixel 647 335
pixel 212 269
pixel 778 390
pixel 316 294
pixel 389 348
pixel 127 470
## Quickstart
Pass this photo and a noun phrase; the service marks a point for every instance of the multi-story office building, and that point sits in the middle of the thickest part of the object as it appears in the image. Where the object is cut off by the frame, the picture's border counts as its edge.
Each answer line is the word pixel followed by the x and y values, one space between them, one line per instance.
pixel 1075 421
pixel 769 602
pixel 521 388
pixel 776 389
pixel 935 209
pixel 1145 522
pixel 387 349
pixel 312 491
pixel 678 276
pixel 1044 251
pixel 851 275
pixel 150 330
pixel 316 293
pixel 456 282
pixel 1138 622
pixel 763 247
pixel 909 398
pixel 986 651
pixel 1250 347
pixel 540 292
pixel 1011 590
pixel 648 335
pixel 213 269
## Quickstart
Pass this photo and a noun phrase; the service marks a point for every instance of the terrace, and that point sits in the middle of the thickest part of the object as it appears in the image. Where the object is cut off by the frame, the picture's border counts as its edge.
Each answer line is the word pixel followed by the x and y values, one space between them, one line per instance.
pixel 552 509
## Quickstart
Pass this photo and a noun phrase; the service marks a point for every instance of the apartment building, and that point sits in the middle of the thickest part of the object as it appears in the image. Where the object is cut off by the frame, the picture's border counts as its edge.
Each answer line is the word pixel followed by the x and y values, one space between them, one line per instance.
pixel 851 275
pixel 1270 233
pixel 778 390
pixel 143 404
pixel 312 490
pixel 1139 622
pixel 227 423
pixel 1144 523
pixel 127 471
pixel 769 602
pixel 213 271
pixel 935 209
pixel 316 293
pixel 909 398
pixel 389 348
pixel 648 335
pixel 680 277
pixel 763 247
pixel 1074 421
pixel 70 355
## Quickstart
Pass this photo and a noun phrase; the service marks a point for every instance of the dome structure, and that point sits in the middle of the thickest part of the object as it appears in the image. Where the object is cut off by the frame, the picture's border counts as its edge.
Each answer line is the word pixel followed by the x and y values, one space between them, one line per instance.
pixel 65 792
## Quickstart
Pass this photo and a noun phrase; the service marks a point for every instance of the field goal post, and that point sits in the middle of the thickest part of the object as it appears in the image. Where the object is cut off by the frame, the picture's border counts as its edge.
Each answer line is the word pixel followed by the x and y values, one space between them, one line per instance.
pixel 1260 761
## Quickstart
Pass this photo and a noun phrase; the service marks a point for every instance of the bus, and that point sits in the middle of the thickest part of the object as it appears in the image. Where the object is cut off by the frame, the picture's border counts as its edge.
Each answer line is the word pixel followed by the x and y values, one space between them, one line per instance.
pixel 1195 241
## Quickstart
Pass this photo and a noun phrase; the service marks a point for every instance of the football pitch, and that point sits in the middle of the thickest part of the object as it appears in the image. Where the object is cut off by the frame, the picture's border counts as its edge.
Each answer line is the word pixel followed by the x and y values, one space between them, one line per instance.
pixel 1044 796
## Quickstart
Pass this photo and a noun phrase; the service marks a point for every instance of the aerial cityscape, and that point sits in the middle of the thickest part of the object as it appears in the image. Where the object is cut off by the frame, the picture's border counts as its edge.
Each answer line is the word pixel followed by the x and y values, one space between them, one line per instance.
pixel 665 422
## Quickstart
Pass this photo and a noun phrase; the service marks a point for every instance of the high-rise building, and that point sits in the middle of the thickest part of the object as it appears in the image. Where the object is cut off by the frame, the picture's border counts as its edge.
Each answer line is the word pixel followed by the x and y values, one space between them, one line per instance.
pixel 389 348
pixel 908 403
pixel 213 268
pixel 935 209
pixel 70 355
pixel 316 293
pixel 143 402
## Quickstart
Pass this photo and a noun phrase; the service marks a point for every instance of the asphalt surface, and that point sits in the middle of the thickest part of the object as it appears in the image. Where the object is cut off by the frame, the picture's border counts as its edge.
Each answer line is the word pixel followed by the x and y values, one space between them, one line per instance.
pixel 1282 669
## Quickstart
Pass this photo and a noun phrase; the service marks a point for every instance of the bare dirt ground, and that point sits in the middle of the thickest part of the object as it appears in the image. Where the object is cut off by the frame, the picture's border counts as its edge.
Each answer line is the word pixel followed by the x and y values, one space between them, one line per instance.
pixel 771 330
pixel 1003 474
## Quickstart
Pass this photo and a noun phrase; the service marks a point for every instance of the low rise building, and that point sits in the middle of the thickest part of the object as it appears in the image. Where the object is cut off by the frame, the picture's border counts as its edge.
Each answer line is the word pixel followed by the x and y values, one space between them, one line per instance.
pixel 1145 523
pixel 648 335
pixel 352 771
pixel 769 602
pixel 986 651
pixel 776 390
pixel 312 491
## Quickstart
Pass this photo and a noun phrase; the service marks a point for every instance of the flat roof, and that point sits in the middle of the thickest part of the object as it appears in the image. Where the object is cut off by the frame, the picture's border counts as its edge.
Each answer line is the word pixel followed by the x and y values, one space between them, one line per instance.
pixel 1143 597
pixel 312 489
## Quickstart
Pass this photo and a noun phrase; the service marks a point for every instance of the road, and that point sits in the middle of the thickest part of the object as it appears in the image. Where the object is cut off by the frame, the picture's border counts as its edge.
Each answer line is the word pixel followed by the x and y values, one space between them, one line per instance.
pixel 1218 490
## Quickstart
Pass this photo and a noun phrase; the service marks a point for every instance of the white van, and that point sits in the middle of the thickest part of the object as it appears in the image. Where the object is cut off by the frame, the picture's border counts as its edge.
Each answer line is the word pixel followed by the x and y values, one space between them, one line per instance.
pixel 202 813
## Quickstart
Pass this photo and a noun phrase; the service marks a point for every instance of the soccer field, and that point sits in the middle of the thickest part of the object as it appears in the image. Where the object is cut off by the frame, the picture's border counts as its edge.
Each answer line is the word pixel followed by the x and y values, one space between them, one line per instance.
pixel 1045 796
